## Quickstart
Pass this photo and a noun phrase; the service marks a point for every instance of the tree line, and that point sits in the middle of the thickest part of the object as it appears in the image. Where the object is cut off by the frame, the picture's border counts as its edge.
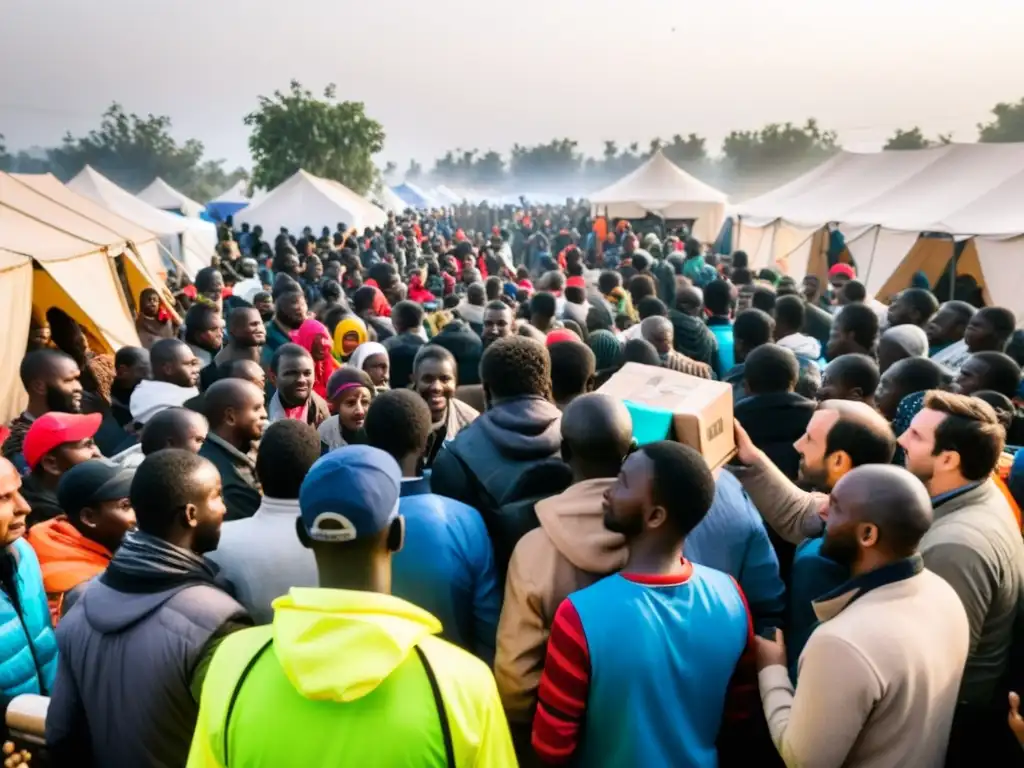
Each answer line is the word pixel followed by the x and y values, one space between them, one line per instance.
pixel 296 128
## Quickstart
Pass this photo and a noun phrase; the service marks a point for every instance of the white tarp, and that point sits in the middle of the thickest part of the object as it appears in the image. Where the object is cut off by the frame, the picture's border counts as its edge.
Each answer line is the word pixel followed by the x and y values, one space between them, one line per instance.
pixel 389 201
pixel 162 195
pixel 306 200
pixel 191 241
pixel 661 187
pixel 234 194
pixel 1001 263
pixel 446 195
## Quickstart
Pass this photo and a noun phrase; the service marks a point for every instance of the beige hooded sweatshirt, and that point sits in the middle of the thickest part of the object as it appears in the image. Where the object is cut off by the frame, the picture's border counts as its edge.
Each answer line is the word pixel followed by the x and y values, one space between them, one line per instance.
pixel 571 550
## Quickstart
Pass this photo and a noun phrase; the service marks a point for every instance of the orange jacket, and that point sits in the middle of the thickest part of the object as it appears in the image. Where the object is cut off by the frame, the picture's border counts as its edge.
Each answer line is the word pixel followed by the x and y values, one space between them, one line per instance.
pixel 66 559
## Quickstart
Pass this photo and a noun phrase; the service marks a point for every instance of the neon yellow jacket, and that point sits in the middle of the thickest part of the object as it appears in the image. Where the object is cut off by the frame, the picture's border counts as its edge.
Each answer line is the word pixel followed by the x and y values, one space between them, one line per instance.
pixel 335 680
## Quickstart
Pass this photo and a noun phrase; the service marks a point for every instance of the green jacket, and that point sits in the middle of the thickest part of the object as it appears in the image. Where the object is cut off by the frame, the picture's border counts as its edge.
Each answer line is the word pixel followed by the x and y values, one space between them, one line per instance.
pixel 336 680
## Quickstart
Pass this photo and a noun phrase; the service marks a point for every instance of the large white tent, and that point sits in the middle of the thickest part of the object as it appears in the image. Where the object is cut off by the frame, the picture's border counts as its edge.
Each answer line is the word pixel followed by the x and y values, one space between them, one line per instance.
pixel 661 187
pixel 192 242
pixel 890 206
pixel 306 200
pixel 389 201
pixel 162 195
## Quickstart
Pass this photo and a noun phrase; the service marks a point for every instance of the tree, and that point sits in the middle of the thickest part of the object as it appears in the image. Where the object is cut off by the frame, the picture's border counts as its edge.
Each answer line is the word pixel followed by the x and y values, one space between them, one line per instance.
pixel 778 146
pixel 912 139
pixel 296 130
pixel 489 169
pixel 688 151
pixel 132 150
pixel 1007 126
pixel 5 159
pixel 557 160
pixel 414 171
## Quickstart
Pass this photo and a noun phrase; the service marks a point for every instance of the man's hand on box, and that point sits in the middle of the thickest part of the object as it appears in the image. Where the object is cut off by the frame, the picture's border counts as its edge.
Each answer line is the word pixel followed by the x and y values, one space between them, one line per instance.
pixel 746 451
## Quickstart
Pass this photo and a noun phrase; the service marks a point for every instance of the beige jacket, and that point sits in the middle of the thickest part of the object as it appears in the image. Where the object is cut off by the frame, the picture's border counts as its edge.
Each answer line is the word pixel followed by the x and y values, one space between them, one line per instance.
pixel 878 680
pixel 571 550
pixel 792 513
pixel 975 545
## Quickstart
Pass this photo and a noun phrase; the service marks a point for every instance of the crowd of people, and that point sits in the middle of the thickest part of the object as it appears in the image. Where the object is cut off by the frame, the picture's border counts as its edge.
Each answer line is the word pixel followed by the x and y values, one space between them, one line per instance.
pixel 357 500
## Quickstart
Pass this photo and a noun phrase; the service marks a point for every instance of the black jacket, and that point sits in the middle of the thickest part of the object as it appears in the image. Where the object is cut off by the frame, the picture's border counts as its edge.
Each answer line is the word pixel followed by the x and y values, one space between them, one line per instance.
pixel 774 422
pixel 237 475
pixel 402 351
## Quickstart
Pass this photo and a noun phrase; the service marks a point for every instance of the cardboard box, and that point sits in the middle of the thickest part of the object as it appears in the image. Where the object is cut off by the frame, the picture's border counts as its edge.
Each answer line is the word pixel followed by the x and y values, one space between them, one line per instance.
pixel 667 405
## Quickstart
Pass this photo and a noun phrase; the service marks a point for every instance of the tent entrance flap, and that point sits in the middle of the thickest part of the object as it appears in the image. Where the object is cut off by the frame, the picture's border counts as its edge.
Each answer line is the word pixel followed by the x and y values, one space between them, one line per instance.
pixel 16 299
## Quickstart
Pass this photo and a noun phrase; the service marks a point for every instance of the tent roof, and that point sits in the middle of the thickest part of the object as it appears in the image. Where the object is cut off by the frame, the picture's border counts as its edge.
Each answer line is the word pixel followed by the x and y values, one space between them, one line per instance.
pixel 162 195
pixel 414 196
pixel 234 194
pixel 49 186
pixel 961 189
pixel 308 200
pixel 389 201
pixel 94 185
pixel 446 195
pixel 657 184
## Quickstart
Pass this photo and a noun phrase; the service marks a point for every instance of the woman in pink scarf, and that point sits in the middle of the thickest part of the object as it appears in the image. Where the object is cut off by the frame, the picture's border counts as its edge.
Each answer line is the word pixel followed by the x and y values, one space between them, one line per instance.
pixel 314 337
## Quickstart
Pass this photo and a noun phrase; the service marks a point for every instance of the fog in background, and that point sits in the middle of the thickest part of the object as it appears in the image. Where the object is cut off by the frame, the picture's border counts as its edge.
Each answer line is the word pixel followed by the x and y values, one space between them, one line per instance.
pixel 487 74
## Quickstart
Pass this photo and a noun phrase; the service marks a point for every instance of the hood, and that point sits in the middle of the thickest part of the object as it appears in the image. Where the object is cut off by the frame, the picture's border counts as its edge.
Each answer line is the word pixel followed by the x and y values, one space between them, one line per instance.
pixel 130 458
pixel 471 313
pixel 524 428
pixel 151 397
pixel 574 521
pixel 66 557
pixel 109 611
pixel 801 344
pixel 319 632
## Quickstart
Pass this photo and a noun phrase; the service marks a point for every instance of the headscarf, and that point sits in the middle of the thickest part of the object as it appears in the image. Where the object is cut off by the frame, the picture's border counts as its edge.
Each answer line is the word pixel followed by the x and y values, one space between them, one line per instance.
pixel 606 348
pixel 348 378
pixel 348 324
pixel 364 352
pixel 908 408
pixel 910 338
pixel 417 292
pixel 305 336
pixel 381 307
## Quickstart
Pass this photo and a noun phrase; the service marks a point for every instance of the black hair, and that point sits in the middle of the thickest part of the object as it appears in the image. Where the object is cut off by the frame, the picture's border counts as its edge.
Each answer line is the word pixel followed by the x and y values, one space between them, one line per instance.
pixel 718 297
pixel 399 423
pixel 433 352
pixel 918 374
pixel 865 442
pixel 164 352
pixel 790 313
pixel 37 365
pixel 921 301
pixel 855 371
pixel 1015 347
pixel 543 304
pixel 651 306
pixel 199 318
pixel 608 281
pixel 1000 403
pixel 287 350
pixel 407 316
pixel 640 351
pixel 492 288
pixel 451 301
pixel 221 396
pixel 740 260
pixel 854 291
pixel 742 276
pixel 681 483
pixel 363 299
pixel 961 309
pixel 497 306
pixel 383 273
pixel 129 356
pixel 573 366
pixel 331 291
pixel 640 287
pixel 1002 320
pixel 764 298
pixel 165 427
pixel 771 368
pixel 261 296
pixel 861 320
pixel 575 294
pixel 753 327
pixel 163 487
pixel 475 294
pixel 640 261
pixel 516 366
pixel 206 279
pixel 1003 374
pixel 288 449
pixel 284 284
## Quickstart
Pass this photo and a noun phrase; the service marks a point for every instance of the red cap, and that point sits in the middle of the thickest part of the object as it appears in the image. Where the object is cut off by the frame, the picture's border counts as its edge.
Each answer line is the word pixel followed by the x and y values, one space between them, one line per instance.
pixel 53 429
pixel 576 281
pixel 560 334
pixel 844 270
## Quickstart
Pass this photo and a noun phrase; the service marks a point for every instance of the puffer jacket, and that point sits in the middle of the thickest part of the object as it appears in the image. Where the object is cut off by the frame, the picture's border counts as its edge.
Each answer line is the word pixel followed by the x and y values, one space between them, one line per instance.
pixel 28 649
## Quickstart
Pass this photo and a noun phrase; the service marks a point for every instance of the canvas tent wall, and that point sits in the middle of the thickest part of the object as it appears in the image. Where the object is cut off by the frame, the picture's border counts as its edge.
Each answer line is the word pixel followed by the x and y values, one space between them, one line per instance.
pixel 662 188
pixel 16 299
pixel 162 195
pixel 229 202
pixel 190 242
pixel 884 203
pixel 306 200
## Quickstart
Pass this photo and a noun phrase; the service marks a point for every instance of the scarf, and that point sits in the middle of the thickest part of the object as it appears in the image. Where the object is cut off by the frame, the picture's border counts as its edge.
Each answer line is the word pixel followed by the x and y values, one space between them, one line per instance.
pixel 350 324
pixel 306 336
pixel 145 563
pixel 278 411
pixel 364 352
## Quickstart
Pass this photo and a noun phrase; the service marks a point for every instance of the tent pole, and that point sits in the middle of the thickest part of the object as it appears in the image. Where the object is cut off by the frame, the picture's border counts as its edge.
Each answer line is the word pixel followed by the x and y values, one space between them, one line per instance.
pixel 952 269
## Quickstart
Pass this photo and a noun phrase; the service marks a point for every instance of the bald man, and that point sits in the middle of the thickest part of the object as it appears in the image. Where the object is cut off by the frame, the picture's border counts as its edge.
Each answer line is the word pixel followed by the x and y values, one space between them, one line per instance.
pixel 840 436
pixel 691 335
pixel 174 428
pixel 660 333
pixel 570 550
pixel 237 415
pixel 880 675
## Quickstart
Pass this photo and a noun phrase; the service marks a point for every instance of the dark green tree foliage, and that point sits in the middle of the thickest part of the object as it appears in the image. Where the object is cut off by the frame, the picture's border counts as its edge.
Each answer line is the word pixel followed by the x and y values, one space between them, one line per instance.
pixel 329 138
pixel 1008 124
pixel 778 146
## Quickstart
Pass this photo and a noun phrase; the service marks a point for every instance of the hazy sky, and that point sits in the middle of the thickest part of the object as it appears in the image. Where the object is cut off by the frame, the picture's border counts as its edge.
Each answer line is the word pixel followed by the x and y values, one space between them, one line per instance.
pixel 487 73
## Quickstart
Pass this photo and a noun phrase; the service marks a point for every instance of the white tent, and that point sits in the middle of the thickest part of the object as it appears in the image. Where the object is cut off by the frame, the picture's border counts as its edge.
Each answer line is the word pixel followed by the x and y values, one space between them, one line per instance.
pixel 162 195
pixel 306 200
pixel 446 195
pixel 661 187
pixel 191 242
pixel 236 193
pixel 883 202
pixel 389 201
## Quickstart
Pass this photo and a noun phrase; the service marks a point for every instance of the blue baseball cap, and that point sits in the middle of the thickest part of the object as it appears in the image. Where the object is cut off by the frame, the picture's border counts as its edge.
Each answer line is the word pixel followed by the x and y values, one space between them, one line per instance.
pixel 351 493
